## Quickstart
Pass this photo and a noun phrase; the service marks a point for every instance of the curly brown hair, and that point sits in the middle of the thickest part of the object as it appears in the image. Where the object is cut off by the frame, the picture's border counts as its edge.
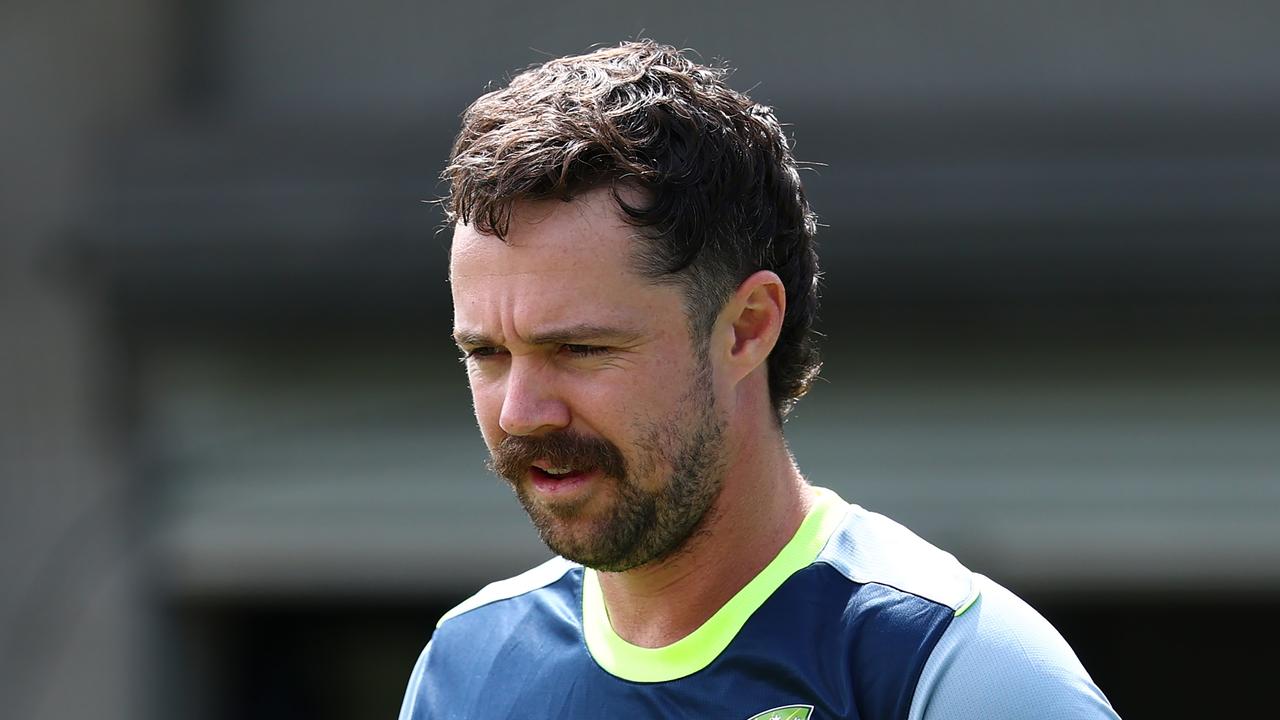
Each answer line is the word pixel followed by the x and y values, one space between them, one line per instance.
pixel 722 195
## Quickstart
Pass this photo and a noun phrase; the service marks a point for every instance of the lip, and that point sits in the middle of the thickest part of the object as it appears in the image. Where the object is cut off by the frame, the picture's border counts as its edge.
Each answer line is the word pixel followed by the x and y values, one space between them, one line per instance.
pixel 561 487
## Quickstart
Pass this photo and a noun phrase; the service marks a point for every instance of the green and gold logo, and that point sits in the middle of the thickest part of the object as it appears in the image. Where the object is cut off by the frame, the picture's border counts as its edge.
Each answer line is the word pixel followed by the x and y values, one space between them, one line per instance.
pixel 786 712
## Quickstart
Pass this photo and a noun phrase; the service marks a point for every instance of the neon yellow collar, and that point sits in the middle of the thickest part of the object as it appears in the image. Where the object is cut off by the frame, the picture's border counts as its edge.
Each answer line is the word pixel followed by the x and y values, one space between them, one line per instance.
pixel 697 649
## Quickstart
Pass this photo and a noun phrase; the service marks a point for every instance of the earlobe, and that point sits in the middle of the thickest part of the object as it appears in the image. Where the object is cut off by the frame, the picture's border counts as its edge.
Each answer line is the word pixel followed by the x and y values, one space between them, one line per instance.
pixel 756 310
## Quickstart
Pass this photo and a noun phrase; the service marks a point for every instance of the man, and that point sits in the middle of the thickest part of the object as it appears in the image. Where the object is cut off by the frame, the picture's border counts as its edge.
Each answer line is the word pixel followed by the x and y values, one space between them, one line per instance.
pixel 634 282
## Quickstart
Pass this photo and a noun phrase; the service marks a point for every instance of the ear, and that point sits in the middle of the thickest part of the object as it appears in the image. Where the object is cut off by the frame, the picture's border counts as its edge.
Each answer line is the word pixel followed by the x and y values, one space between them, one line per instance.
pixel 753 319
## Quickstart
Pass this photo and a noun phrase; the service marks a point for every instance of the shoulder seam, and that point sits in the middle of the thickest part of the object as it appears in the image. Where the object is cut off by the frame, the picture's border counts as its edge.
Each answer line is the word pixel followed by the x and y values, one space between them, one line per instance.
pixel 932 601
pixel 869 566
pixel 526 582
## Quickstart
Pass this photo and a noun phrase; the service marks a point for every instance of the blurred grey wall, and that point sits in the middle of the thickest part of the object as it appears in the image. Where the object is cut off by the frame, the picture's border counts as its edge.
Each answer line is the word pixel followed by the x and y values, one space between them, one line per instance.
pixel 72 604
pixel 229 398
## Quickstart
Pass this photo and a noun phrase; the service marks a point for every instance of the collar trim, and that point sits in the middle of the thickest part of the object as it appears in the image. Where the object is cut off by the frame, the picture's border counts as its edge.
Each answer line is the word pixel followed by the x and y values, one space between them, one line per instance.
pixel 699 648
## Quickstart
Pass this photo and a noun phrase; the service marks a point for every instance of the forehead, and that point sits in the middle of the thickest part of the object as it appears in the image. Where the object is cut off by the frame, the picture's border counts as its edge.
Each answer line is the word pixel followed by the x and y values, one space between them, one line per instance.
pixel 545 234
pixel 560 262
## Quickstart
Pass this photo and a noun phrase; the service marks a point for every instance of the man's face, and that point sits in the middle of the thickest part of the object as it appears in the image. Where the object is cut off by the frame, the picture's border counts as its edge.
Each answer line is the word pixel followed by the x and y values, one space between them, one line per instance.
pixel 596 404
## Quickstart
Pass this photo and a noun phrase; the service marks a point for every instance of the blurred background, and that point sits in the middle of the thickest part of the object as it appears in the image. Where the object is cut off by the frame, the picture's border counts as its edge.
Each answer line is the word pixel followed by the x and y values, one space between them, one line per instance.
pixel 238 473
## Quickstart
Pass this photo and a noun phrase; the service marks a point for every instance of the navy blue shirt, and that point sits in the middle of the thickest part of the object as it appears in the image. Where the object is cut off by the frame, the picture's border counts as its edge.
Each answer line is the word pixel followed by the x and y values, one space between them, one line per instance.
pixel 855 618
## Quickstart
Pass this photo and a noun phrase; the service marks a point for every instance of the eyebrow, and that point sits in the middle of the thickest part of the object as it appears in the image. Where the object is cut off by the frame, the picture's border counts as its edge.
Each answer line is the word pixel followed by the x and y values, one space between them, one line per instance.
pixel 556 336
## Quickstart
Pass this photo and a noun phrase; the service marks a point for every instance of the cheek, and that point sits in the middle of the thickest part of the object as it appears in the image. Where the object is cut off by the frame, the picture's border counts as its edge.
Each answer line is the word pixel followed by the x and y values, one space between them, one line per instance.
pixel 487 404
pixel 631 405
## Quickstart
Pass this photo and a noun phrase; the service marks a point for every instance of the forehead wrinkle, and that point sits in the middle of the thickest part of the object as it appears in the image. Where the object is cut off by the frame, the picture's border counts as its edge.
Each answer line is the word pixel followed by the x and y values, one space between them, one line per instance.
pixel 514 273
pixel 583 331
pixel 567 335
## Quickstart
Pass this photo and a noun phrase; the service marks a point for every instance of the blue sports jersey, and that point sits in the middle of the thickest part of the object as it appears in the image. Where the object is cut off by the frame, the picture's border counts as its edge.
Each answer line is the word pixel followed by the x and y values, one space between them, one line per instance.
pixel 856 617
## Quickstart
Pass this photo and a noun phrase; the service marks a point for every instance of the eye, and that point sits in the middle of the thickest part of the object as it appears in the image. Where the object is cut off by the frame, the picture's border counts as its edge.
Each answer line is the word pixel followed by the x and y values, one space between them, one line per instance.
pixel 586 350
pixel 480 353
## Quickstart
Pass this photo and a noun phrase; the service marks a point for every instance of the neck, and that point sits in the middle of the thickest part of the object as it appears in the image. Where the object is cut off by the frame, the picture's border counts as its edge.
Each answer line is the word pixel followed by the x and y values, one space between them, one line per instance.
pixel 761 505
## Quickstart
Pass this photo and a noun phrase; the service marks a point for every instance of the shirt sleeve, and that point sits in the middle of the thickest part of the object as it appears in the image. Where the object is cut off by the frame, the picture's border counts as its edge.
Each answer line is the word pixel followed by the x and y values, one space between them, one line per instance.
pixel 410 704
pixel 1001 660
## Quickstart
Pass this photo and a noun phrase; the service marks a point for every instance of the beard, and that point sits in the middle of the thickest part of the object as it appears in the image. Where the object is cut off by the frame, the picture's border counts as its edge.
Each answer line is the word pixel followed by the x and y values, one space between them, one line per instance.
pixel 640 525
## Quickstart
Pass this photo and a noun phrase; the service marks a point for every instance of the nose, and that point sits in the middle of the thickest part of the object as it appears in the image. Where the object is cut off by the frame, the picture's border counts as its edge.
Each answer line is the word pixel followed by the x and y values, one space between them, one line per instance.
pixel 531 405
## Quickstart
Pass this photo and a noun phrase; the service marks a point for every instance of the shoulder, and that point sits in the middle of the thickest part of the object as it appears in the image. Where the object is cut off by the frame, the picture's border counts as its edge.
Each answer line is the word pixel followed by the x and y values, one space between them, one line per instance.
pixel 869 548
pixel 982 651
pixel 897 594
pixel 540 600
pixel 530 581
pixel 502 629
pixel 538 604
pixel 1001 659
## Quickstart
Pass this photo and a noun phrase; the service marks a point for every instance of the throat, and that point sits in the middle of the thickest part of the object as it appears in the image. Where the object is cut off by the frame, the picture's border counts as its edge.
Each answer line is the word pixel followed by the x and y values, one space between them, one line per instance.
pixel 658 604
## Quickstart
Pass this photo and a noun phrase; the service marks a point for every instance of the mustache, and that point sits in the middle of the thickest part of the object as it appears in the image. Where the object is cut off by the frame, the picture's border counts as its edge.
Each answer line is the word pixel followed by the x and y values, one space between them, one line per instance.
pixel 515 453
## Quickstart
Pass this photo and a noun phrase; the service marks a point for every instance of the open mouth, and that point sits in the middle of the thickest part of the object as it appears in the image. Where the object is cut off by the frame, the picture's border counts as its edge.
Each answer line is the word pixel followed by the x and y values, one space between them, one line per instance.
pixel 554 472
pixel 548 477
